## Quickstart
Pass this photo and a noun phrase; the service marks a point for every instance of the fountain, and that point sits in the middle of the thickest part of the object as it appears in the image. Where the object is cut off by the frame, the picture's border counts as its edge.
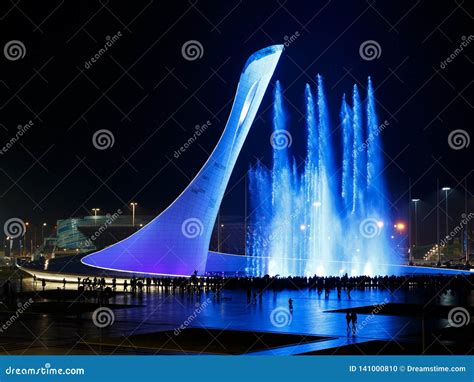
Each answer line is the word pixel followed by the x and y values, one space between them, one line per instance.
pixel 318 217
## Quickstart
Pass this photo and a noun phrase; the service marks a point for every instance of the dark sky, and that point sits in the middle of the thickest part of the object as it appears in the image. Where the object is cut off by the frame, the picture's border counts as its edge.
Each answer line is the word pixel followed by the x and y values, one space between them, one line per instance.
pixel 151 98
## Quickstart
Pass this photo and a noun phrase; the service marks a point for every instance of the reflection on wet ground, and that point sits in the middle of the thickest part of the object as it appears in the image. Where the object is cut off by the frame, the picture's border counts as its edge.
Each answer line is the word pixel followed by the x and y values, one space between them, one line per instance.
pixel 159 310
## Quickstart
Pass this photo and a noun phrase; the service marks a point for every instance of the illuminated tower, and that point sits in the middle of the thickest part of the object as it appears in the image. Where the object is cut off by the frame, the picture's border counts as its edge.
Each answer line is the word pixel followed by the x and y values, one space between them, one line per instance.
pixel 176 242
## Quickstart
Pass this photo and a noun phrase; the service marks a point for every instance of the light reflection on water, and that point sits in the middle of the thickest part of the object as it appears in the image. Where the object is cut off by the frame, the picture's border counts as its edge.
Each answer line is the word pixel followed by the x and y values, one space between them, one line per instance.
pixel 162 310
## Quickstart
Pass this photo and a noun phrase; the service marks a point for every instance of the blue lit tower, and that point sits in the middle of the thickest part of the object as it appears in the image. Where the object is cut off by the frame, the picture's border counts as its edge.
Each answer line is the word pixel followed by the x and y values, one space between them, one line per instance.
pixel 176 242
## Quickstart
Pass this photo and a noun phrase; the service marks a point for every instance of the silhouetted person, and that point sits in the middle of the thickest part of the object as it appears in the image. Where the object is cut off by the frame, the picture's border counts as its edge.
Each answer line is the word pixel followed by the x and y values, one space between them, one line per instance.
pixel 348 320
pixel 64 282
pixel 290 305
pixel 354 322
pixel 125 286
pixel 43 283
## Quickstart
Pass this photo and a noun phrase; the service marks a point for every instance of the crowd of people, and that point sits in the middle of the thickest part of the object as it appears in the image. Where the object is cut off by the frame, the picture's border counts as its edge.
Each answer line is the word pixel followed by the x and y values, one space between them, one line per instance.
pixel 256 285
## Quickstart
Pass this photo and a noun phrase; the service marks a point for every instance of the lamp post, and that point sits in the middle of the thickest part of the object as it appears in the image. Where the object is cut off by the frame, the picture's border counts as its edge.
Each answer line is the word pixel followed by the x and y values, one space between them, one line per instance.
pixel 9 247
pixel 95 210
pixel 415 201
pixel 446 190
pixel 42 232
pixel 133 204
pixel 25 239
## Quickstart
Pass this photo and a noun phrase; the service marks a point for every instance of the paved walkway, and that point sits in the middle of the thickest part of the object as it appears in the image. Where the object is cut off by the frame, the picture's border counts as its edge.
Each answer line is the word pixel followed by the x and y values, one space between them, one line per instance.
pixel 311 347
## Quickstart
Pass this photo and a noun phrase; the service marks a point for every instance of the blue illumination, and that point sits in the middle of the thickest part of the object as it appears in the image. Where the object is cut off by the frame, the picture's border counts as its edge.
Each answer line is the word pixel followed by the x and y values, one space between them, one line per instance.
pixel 320 218
pixel 177 241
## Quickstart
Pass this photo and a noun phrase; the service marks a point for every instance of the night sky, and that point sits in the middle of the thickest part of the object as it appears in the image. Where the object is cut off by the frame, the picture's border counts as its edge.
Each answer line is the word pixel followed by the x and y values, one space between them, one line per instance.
pixel 151 98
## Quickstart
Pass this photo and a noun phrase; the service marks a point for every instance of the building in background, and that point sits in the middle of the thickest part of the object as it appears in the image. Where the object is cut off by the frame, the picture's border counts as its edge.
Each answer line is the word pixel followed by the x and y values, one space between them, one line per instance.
pixel 92 233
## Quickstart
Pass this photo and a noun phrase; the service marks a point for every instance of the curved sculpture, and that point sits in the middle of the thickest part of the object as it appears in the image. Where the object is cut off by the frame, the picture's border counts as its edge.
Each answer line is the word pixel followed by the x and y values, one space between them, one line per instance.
pixel 177 241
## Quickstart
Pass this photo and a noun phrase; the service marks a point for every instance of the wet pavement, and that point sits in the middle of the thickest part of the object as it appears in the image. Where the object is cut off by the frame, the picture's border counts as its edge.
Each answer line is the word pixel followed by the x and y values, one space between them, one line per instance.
pixel 161 310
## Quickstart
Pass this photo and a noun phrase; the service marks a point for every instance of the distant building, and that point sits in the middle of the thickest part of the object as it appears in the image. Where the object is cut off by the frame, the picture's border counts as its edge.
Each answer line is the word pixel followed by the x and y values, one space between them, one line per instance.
pixel 91 233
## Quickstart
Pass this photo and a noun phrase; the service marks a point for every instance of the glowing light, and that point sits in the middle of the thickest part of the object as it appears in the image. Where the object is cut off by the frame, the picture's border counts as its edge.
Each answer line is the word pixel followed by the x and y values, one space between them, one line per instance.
pixel 186 224
pixel 332 203
pixel 400 226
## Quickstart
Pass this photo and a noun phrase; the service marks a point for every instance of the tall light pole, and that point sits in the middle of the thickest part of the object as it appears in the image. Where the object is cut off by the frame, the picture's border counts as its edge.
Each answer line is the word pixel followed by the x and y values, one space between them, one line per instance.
pixel 465 239
pixel 133 204
pixel 42 232
pixel 438 243
pixel 9 246
pixel 410 245
pixel 25 238
pixel 415 201
pixel 446 189
pixel 95 210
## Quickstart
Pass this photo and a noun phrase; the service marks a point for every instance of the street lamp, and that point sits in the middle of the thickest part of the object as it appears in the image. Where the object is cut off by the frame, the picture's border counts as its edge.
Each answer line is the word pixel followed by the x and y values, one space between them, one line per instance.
pixel 25 238
pixel 446 189
pixel 95 210
pixel 133 204
pixel 42 231
pixel 9 246
pixel 400 227
pixel 416 230
pixel 416 220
